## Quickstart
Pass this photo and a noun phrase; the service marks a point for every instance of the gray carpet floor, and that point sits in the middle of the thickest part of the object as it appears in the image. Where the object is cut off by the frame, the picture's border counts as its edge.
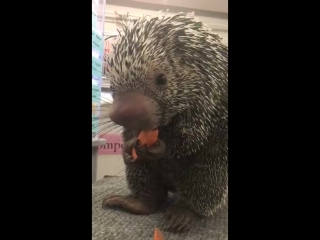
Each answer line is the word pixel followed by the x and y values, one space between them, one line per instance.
pixel 109 224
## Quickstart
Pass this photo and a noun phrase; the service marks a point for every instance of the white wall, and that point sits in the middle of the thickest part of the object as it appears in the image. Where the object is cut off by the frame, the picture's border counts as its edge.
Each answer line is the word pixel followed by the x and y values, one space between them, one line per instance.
pixel 110 166
pixel 219 25
pixel 209 5
pixel 113 165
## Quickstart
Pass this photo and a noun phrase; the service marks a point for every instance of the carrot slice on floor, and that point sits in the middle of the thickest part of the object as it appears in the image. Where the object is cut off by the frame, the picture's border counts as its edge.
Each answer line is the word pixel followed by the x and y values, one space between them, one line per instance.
pixel 158 235
pixel 146 137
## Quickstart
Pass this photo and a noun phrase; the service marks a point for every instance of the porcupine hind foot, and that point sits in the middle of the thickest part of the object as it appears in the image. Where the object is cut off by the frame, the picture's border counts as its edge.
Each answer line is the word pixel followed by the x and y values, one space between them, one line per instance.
pixel 180 218
pixel 195 199
pixel 148 193
pixel 130 204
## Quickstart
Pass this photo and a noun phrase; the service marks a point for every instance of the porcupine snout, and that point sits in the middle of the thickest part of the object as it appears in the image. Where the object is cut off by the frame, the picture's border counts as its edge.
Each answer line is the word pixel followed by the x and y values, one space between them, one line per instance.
pixel 133 111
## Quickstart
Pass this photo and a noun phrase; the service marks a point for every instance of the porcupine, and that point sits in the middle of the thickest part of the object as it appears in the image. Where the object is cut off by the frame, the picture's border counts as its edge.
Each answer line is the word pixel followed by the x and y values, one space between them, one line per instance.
pixel 171 73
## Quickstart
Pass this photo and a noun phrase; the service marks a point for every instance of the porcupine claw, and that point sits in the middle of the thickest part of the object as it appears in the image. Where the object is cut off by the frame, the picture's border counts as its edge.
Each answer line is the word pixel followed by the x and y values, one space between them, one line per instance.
pixel 127 157
pixel 180 219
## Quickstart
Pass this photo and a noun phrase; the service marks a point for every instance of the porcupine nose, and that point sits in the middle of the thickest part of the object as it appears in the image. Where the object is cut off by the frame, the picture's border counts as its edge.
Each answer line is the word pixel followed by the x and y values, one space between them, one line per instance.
pixel 125 114
pixel 129 110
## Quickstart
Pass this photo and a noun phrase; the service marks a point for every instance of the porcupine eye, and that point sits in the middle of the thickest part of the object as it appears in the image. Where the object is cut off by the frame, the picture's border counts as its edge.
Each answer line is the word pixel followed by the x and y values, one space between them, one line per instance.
pixel 161 79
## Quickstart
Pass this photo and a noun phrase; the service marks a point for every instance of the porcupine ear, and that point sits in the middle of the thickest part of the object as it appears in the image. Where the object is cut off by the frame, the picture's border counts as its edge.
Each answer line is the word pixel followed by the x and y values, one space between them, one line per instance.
pixel 180 33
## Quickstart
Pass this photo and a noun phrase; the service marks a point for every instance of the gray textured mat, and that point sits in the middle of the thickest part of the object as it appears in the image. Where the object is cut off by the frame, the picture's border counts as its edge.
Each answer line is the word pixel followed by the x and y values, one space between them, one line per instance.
pixel 108 224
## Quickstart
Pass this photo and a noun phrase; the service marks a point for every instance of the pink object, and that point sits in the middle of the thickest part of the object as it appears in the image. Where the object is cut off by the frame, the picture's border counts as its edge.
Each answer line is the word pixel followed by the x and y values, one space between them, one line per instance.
pixel 113 145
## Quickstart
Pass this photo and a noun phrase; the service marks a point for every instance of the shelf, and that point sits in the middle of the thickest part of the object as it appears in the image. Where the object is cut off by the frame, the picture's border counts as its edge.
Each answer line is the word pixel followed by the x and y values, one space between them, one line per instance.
pixel 98 142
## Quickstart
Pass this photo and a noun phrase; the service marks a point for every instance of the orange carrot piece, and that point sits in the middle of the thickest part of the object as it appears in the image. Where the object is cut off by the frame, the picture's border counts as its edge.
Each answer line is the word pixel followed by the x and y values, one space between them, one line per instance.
pixel 146 137
pixel 158 235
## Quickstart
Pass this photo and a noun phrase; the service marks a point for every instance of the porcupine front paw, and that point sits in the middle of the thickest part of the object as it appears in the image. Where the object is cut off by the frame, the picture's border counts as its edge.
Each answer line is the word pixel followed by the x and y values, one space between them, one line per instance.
pixel 127 153
pixel 144 153
pixel 180 218
pixel 130 204
pixel 156 151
